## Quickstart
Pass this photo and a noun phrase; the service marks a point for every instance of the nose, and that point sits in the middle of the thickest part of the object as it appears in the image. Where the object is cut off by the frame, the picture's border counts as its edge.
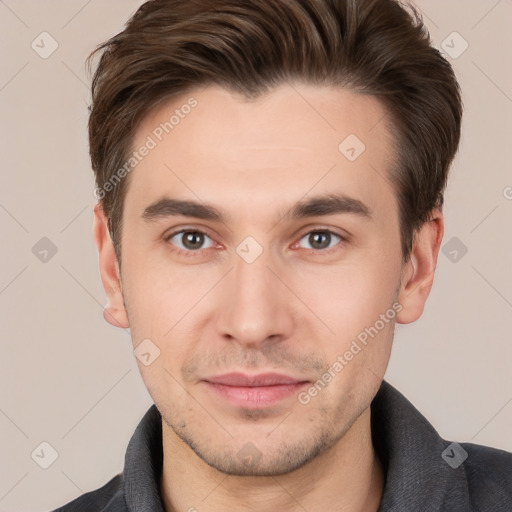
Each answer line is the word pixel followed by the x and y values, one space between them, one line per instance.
pixel 254 304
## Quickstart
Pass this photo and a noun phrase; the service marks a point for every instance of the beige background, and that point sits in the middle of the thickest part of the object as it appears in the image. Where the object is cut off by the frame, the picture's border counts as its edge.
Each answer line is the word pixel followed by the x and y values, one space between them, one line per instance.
pixel 70 379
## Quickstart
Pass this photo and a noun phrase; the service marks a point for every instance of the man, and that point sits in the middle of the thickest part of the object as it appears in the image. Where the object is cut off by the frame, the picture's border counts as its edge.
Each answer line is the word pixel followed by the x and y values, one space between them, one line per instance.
pixel 271 178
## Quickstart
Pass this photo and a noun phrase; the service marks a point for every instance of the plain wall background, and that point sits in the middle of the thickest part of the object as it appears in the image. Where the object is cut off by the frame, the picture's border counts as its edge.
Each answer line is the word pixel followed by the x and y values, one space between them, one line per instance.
pixel 70 379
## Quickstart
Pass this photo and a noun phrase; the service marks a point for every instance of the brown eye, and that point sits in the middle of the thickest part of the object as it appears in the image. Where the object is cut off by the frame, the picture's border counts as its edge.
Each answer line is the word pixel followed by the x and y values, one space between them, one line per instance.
pixel 320 240
pixel 188 240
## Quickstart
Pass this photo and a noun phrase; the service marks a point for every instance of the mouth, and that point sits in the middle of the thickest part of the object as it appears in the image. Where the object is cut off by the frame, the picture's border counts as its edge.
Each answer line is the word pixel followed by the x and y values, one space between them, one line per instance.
pixel 254 391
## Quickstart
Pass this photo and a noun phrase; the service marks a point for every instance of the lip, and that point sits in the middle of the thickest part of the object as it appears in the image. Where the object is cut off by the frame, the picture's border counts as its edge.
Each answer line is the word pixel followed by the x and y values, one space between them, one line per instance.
pixel 254 391
pixel 238 379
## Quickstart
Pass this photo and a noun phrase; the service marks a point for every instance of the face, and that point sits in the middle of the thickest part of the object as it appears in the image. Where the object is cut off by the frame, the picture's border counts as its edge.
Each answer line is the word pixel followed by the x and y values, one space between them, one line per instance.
pixel 287 263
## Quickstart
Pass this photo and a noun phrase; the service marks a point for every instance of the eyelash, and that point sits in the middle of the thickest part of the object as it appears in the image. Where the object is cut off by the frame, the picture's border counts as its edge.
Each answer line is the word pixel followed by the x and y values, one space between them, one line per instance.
pixel 198 252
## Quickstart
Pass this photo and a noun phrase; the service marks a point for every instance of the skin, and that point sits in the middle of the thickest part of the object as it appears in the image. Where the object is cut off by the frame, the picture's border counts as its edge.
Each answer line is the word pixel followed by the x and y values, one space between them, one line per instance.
pixel 293 310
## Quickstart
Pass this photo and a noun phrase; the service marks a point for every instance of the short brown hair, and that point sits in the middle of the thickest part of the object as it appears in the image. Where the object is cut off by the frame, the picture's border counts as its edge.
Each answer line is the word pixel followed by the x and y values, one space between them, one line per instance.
pixel 376 47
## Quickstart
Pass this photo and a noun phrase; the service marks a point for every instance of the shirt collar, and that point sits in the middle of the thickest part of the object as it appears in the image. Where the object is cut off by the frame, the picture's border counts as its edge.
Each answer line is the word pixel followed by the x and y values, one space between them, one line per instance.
pixel 417 477
pixel 143 465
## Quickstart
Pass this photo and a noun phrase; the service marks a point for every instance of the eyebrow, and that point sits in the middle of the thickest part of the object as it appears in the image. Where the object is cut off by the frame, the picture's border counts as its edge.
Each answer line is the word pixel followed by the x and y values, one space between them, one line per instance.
pixel 329 204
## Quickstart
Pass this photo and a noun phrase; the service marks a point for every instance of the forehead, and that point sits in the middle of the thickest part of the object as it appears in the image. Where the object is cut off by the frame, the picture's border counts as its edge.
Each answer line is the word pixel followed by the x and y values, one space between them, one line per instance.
pixel 216 145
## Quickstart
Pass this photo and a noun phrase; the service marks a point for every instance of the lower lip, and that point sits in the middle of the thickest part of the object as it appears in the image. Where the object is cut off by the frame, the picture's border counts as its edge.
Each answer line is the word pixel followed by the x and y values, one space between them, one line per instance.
pixel 255 397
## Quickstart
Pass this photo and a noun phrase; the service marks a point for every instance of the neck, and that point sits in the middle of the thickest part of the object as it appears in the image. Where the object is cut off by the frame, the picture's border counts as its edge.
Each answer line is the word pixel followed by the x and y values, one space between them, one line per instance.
pixel 348 478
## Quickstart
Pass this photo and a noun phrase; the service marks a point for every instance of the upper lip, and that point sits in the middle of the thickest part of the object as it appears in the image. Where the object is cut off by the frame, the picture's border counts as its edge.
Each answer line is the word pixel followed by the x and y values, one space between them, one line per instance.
pixel 262 379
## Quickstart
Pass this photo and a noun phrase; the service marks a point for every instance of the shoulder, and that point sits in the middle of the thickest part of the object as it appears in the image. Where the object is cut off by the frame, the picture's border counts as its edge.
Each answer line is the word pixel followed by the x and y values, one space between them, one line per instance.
pixel 489 477
pixel 109 498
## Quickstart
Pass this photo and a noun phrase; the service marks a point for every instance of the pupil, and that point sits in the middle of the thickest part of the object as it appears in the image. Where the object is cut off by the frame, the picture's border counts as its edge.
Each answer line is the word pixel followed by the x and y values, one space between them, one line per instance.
pixel 317 237
pixel 190 240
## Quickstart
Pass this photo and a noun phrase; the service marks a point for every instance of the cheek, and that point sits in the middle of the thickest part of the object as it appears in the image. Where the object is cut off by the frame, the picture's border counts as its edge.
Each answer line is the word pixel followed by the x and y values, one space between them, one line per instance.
pixel 159 294
pixel 164 306
pixel 158 306
pixel 348 298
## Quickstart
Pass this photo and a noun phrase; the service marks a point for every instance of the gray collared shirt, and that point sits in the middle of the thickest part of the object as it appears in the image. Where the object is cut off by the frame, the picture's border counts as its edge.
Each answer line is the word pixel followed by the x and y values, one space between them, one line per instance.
pixel 424 473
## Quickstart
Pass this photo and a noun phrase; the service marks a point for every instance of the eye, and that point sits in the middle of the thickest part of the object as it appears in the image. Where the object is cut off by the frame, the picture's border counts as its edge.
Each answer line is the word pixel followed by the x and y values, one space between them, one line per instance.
pixel 320 240
pixel 192 241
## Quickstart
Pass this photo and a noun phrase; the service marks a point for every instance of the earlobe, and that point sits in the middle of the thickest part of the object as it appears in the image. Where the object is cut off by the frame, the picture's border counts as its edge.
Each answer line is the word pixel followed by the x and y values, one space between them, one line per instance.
pixel 115 311
pixel 418 272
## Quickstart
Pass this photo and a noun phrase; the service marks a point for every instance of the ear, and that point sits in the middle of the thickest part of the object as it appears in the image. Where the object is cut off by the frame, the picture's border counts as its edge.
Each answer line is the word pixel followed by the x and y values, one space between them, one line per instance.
pixel 114 312
pixel 418 271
